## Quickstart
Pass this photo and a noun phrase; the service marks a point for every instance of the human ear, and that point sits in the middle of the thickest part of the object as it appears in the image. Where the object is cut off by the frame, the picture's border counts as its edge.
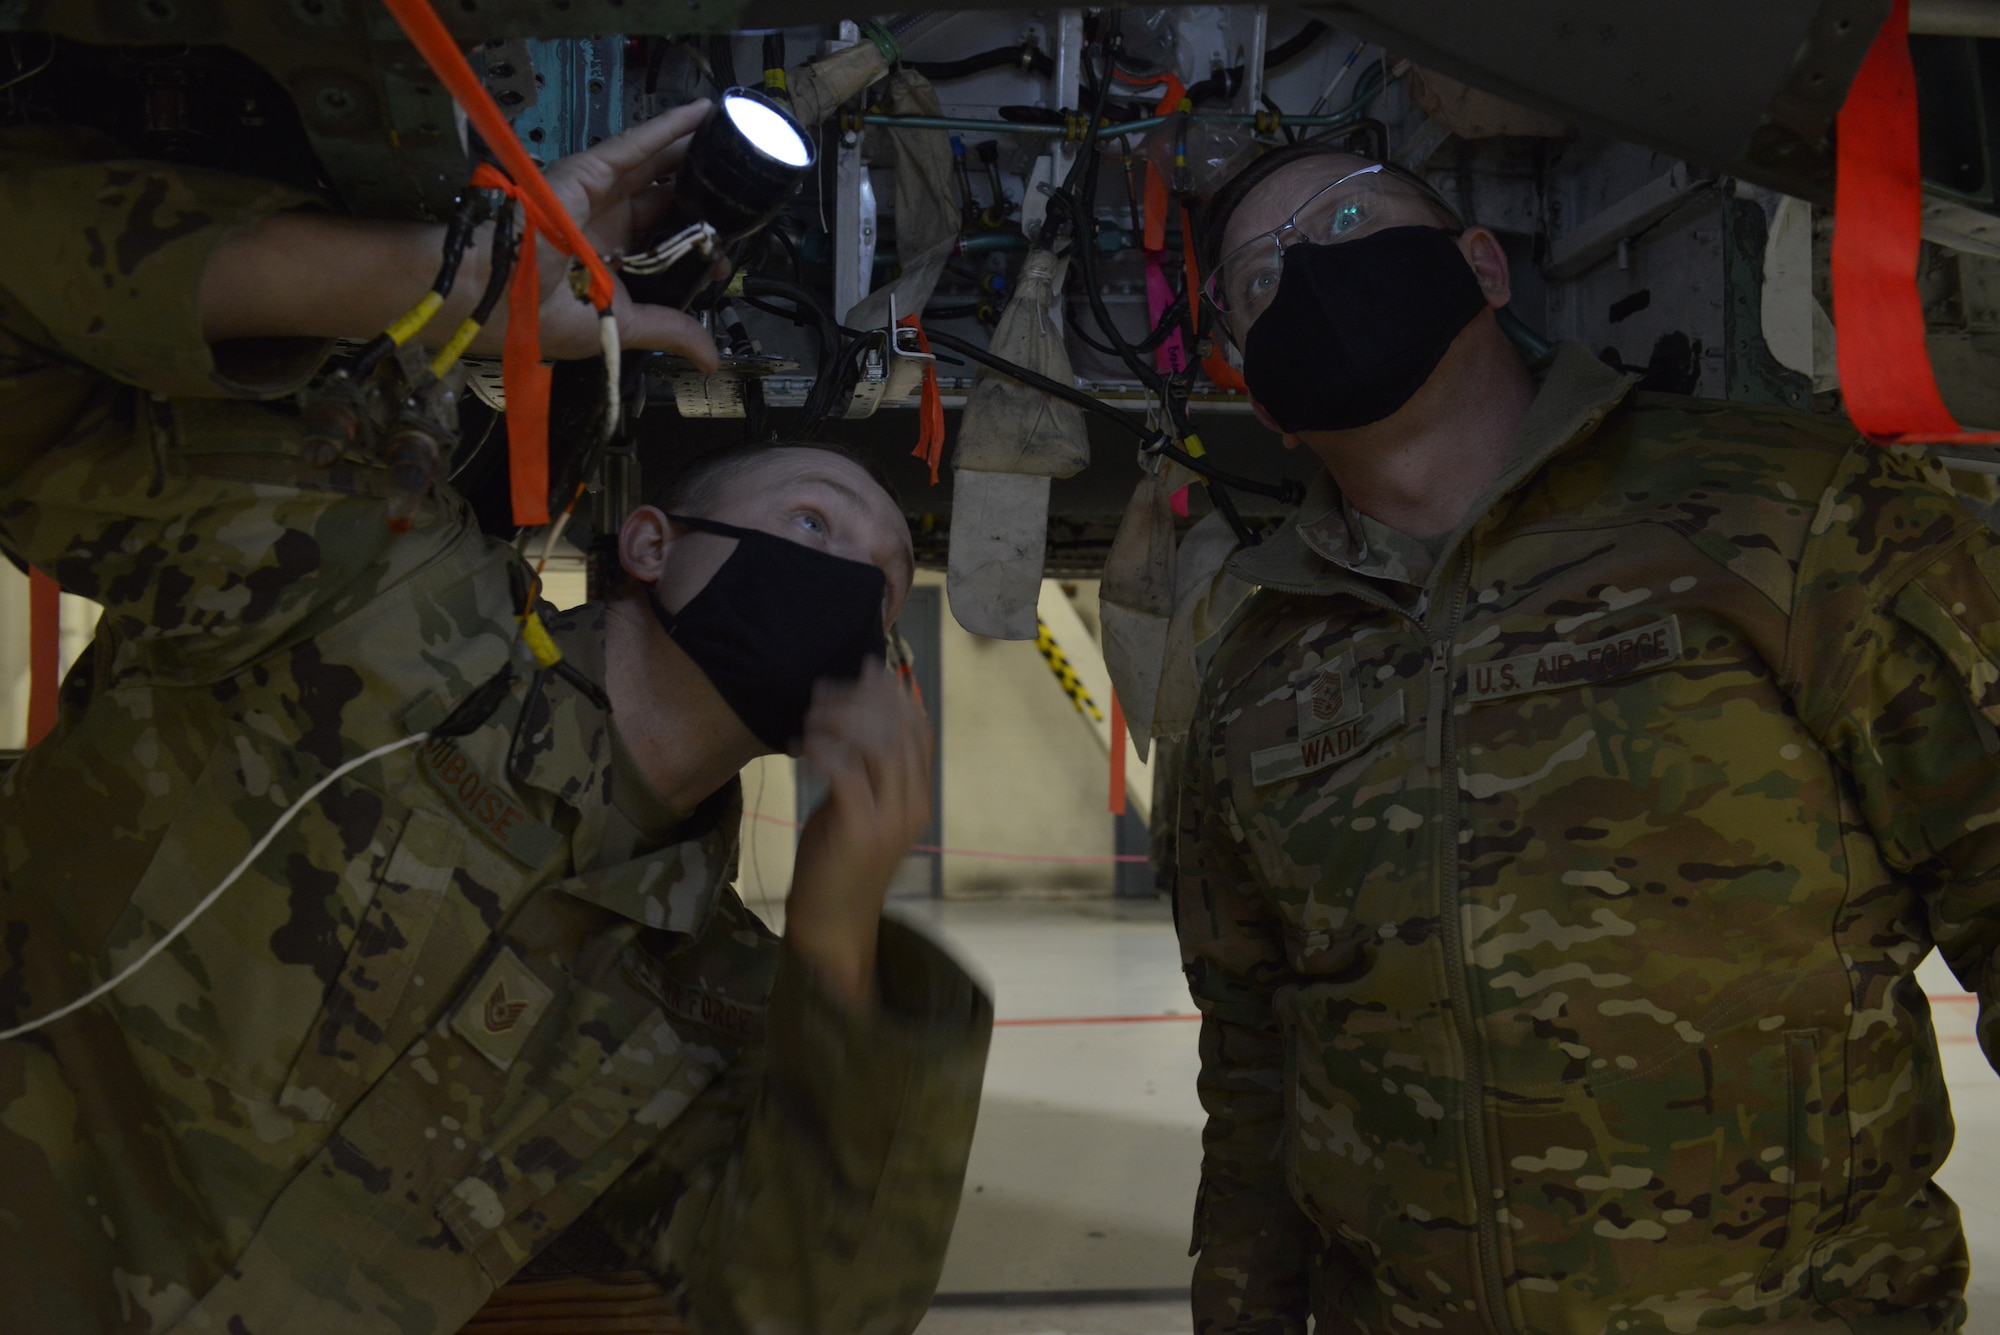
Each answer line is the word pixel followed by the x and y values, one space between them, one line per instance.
pixel 643 540
pixel 1482 250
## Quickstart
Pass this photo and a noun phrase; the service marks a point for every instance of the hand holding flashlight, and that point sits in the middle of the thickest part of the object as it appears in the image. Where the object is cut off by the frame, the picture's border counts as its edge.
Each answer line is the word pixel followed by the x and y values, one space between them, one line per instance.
pixel 614 191
pixel 307 273
pixel 742 165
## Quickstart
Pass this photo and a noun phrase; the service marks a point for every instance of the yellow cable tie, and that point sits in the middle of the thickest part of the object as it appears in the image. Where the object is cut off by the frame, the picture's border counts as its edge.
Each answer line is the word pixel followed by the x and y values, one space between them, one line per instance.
pixel 735 288
pixel 1192 444
pixel 418 316
pixel 468 330
pixel 1186 104
pixel 775 78
pixel 536 636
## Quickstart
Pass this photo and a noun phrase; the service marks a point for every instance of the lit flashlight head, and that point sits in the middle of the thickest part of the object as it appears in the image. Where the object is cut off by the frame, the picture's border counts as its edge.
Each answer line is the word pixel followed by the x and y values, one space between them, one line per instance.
pixel 744 164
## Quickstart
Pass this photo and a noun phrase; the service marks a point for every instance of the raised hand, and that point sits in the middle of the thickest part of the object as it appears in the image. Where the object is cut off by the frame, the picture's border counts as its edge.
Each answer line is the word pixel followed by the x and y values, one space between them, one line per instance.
pixel 612 189
pixel 873 743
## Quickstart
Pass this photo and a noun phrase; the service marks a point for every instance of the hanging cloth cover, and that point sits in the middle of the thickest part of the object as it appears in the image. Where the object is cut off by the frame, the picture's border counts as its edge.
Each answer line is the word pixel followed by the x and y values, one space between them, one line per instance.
pixel 1136 599
pixel 1163 599
pixel 1013 440
pixel 1206 597
pixel 818 87
pixel 926 203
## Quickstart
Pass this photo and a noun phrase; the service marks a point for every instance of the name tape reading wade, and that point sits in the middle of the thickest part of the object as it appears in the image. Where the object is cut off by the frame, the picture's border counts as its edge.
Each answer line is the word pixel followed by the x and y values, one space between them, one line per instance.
pixel 1328 747
pixel 1558 665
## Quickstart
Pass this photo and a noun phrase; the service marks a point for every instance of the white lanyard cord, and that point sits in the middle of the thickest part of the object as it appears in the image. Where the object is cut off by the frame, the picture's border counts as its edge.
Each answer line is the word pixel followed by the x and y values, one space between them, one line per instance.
pixel 208 900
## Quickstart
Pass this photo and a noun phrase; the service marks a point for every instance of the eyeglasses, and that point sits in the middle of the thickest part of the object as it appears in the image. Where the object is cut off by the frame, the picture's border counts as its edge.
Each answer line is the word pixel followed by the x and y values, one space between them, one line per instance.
pixel 1354 206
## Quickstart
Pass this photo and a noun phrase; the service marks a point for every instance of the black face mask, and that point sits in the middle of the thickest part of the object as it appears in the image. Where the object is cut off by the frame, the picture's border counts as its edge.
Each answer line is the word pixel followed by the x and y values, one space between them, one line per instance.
pixel 1357 328
pixel 775 618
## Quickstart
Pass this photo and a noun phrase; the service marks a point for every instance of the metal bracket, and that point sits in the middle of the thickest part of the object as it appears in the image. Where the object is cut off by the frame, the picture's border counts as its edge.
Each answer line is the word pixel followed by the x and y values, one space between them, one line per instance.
pixel 721 394
pixel 1597 237
pixel 891 376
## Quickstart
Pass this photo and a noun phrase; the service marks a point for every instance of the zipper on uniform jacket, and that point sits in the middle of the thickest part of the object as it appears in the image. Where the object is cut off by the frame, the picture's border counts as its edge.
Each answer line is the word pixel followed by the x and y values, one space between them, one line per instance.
pixel 1441 748
pixel 1440 696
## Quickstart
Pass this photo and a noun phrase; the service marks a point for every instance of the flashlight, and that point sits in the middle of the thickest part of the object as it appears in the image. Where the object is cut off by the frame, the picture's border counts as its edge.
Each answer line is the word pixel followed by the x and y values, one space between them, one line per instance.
pixel 743 165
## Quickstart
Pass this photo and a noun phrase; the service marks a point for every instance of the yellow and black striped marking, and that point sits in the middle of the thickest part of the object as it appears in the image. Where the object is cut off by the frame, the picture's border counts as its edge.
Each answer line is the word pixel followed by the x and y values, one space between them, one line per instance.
pixel 1058 662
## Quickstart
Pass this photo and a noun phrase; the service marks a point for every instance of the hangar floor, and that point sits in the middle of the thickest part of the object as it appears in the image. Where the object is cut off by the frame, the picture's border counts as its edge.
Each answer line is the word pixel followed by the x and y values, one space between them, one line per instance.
pixel 1075 1219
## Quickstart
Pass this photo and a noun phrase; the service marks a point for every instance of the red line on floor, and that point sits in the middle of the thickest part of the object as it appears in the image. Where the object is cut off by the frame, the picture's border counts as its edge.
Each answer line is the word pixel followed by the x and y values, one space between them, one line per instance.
pixel 1090 1019
pixel 1041 1020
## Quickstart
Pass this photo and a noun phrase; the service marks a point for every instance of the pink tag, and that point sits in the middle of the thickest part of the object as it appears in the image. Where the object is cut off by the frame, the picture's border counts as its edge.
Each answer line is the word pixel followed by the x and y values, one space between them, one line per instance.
pixel 1179 501
pixel 1170 356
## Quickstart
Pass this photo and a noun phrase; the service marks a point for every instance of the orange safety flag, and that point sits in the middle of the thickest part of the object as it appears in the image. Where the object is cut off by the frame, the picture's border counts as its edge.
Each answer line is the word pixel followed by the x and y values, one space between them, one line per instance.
pixel 525 376
pixel 930 406
pixel 523 373
pixel 44 653
pixel 1886 378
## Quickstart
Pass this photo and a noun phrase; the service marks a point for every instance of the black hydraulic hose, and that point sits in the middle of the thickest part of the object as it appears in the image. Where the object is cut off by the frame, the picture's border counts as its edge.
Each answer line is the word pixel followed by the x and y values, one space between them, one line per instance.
pixel 1287 491
pixel 1036 380
pixel 1294 46
pixel 1024 56
pixel 806 308
pixel 457 236
pixel 1171 319
pixel 505 250
pixel 1221 84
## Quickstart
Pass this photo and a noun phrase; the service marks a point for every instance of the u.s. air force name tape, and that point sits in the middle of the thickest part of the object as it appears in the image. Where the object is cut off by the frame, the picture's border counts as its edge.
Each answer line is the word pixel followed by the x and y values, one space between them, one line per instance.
pixel 1555 666
pixel 1327 747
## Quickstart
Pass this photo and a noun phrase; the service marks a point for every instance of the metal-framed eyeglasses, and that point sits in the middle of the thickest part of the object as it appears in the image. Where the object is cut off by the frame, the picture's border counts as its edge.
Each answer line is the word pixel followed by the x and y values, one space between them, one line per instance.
pixel 1358 204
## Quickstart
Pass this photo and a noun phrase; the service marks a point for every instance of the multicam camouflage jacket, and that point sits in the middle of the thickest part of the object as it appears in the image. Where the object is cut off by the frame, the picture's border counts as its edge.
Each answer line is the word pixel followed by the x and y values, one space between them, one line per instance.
pixel 477 991
pixel 1554 913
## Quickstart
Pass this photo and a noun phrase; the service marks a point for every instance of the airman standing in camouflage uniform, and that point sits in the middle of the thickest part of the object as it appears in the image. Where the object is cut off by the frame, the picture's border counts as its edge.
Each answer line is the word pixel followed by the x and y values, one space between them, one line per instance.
pixel 483 991
pixel 1564 823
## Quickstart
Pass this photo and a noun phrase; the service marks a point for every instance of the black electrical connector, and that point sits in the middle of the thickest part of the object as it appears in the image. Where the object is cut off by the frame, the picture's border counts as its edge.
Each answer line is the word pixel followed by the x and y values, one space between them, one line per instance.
pixel 465 217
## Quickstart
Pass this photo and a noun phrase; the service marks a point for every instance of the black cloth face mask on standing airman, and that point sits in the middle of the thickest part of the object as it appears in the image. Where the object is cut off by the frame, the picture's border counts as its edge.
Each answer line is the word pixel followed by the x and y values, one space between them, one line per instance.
pixel 1356 328
pixel 776 617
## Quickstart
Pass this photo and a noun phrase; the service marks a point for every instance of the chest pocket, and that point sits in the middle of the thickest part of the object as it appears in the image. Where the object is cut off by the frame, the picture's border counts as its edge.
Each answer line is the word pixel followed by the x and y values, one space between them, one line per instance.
pixel 619 1049
pixel 417 936
pixel 236 995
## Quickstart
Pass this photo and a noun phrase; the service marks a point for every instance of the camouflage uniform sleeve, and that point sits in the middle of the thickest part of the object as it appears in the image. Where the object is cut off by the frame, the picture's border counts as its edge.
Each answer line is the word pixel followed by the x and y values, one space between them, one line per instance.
pixel 1253 1244
pixel 813 1186
pixel 126 472
pixel 103 264
pixel 1895 662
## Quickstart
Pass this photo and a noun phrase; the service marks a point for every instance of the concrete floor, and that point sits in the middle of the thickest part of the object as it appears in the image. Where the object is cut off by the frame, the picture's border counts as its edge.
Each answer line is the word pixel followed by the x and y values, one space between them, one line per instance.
pixel 1075 1219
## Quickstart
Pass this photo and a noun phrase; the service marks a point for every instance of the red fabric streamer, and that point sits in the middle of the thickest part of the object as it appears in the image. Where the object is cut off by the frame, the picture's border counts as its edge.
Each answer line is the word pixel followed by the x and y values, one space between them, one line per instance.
pixel 1885 370
pixel 1117 756
pixel 525 375
pixel 930 408
pixel 44 653
pixel 1215 365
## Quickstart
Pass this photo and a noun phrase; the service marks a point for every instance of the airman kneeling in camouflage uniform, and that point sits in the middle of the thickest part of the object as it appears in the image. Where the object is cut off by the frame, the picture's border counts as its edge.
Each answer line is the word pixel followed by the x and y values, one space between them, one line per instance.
pixel 1564 822
pixel 483 991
